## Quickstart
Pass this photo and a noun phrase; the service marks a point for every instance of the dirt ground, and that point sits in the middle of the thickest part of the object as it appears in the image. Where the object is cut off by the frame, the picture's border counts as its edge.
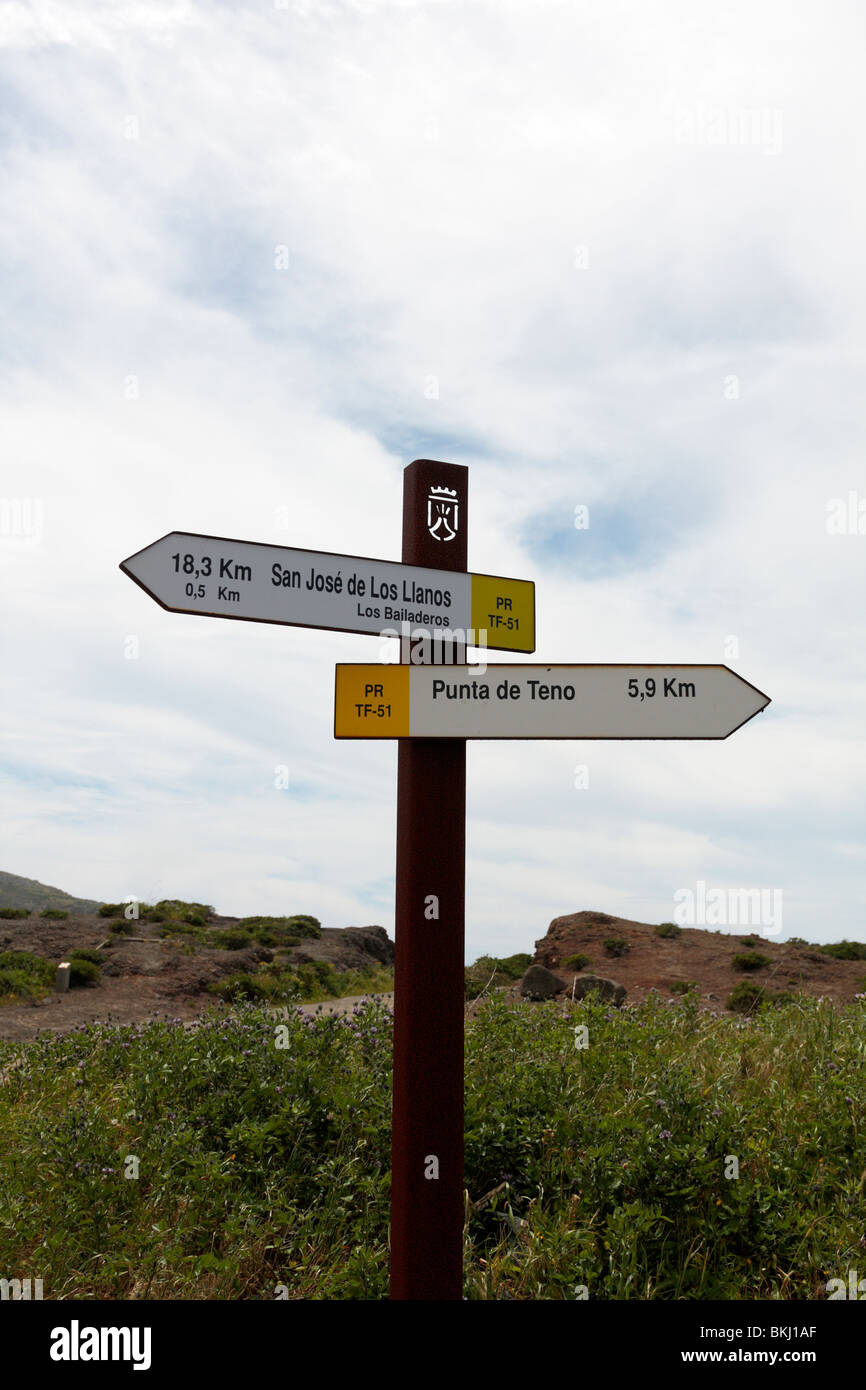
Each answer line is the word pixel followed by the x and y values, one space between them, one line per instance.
pixel 147 977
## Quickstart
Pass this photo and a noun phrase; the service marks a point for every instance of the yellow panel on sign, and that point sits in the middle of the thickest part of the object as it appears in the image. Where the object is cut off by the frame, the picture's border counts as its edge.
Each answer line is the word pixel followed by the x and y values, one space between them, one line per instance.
pixel 372 702
pixel 505 608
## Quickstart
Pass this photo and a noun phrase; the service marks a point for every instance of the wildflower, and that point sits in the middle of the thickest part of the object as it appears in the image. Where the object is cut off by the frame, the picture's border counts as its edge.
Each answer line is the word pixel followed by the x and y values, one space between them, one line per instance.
pixel 665 1134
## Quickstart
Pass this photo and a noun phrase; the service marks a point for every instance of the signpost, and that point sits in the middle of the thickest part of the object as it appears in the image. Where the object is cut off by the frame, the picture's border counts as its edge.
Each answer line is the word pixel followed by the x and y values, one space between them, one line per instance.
pixel 221 578
pixel 432 706
pixel 534 701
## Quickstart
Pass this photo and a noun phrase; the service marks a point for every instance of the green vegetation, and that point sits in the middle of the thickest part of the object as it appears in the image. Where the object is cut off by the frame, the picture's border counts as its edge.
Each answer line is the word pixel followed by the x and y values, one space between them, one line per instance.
pixel 310 982
pixel 121 927
pixel 668 930
pixel 55 914
pixel 845 950
pixel 747 997
pixel 494 972
pixel 24 976
pixel 750 960
pixel 11 914
pixel 683 986
pixel 748 941
pixel 265 1165
pixel 82 972
pixel 577 961
pixel 266 931
pixel 87 953
pixel 616 946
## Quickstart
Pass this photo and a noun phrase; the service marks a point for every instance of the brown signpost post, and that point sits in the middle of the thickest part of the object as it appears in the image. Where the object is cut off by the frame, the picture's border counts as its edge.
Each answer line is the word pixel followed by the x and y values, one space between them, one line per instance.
pixel 427 1121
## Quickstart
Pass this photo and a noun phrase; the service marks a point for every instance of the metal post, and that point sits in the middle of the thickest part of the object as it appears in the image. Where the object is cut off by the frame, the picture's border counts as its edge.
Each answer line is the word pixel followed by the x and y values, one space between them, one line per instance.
pixel 427 1124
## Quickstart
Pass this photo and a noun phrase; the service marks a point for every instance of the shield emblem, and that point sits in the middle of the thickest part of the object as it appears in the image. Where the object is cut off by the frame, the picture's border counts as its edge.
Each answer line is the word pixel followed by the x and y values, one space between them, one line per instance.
pixel 442 519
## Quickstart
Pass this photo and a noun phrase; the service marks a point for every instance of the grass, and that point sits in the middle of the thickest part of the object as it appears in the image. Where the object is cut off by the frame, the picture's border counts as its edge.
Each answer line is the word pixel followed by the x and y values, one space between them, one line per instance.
pixel 601 1166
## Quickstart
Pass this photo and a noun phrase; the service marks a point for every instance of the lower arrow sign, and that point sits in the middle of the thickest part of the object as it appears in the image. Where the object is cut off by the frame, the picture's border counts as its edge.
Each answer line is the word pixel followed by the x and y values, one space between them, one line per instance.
pixel 534 701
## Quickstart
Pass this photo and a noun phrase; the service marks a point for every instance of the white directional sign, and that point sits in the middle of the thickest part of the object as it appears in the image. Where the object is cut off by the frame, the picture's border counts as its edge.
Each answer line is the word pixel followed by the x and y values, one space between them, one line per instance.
pixel 222 578
pixel 531 701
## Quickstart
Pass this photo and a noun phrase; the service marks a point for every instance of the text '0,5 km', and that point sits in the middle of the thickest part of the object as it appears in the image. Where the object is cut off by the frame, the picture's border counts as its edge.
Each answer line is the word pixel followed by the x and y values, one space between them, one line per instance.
pixel 529 701
pixel 222 578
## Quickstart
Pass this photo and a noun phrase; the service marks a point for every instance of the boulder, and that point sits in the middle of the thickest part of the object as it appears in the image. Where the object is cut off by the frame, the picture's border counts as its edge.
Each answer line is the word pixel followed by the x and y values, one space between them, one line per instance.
pixel 539 983
pixel 606 989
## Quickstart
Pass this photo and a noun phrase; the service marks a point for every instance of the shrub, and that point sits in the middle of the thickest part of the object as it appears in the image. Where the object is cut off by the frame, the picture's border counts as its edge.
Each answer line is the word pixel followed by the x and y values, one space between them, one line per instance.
pixel 750 960
pixel 82 972
pixel 746 998
pixel 87 953
pixel 24 975
pixel 668 930
pixel 13 913
pixel 121 927
pixel 747 941
pixel 845 950
pixel 55 914
pixel 232 939
pixel 483 975
pixel 110 909
pixel 185 912
pixel 616 946
pixel 245 986
pixel 577 961
pixel 281 931
pixel 515 966
pixel 796 941
pixel 494 972
pixel 683 986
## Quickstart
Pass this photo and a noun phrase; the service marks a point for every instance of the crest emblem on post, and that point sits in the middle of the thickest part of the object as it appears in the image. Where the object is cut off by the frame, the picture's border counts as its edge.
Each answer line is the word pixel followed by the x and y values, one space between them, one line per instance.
pixel 442 520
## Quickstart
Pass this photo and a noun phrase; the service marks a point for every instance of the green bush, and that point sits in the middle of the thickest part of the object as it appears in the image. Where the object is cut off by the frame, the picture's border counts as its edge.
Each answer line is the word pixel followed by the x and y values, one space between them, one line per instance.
pixel 243 985
pixel 750 960
pixel 747 941
pixel 577 961
pixel 24 975
pixel 232 939
pixel 494 972
pixel 55 914
pixel 668 930
pixel 747 998
pixel 121 927
pixel 87 953
pixel 184 911
pixel 616 946
pixel 515 966
pixel 845 950
pixel 281 931
pixel 13 913
pixel 82 972
pixel 110 909
pixel 796 941
pixel 683 986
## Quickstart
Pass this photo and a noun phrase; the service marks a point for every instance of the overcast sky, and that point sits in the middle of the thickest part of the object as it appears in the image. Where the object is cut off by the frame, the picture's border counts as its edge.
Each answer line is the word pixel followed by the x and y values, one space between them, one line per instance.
pixel 258 257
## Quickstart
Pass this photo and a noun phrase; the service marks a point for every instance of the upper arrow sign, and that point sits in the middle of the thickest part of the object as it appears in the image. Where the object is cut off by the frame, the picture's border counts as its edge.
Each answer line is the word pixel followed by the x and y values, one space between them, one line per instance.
pixel 531 701
pixel 220 578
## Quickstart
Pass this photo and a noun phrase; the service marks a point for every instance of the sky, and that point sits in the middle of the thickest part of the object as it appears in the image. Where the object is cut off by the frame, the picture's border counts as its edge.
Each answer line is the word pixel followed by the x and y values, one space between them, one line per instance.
pixel 256 258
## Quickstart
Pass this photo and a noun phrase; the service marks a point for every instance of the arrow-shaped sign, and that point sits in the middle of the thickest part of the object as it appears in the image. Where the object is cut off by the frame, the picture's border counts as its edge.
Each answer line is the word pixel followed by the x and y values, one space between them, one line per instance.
pixel 533 701
pixel 221 578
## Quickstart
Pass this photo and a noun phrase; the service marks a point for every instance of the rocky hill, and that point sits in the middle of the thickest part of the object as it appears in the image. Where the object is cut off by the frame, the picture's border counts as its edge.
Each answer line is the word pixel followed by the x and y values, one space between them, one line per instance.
pixel 644 956
pixel 30 893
